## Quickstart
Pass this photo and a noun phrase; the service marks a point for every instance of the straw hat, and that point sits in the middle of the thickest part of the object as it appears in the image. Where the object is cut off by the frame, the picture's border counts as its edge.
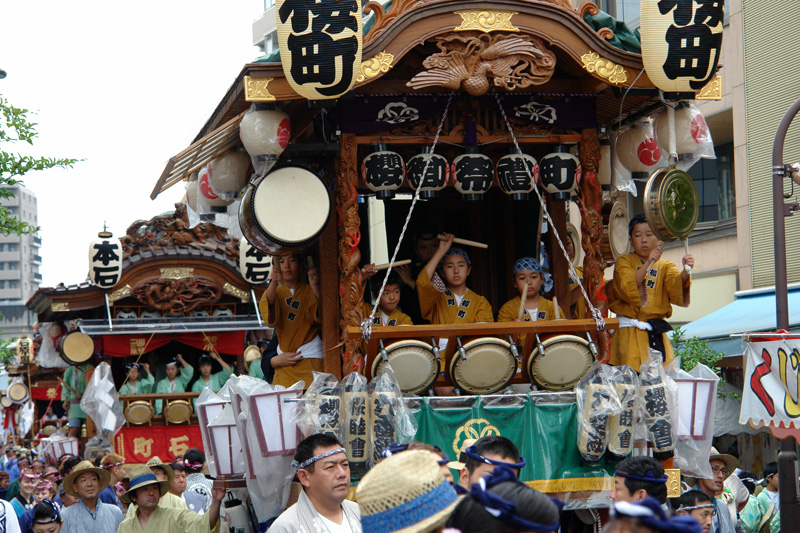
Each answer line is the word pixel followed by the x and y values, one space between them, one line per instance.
pixel 251 353
pixel 141 476
pixel 731 463
pixel 82 468
pixel 156 462
pixel 405 493
pixel 460 464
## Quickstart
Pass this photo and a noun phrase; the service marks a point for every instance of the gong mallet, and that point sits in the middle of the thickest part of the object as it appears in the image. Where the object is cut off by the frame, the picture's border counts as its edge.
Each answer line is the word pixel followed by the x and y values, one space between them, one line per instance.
pixel 465 242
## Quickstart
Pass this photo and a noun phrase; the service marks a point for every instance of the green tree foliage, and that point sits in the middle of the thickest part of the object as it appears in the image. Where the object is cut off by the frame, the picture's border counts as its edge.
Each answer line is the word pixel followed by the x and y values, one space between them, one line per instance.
pixel 15 127
pixel 7 357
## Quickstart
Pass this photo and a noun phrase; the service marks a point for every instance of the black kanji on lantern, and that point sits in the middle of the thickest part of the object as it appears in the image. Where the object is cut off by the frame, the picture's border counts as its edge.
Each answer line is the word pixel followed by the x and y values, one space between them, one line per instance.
pixel 693 49
pixel 560 172
pixel 435 177
pixel 258 265
pixel 315 50
pixel 513 177
pixel 383 172
pixel 106 252
pixel 472 175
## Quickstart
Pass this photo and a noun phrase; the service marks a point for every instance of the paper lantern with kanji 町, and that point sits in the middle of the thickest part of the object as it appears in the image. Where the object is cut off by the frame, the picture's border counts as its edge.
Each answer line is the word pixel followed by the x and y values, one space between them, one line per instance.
pixel 105 260
pixel 561 173
pixel 681 42
pixel 514 179
pixel 383 172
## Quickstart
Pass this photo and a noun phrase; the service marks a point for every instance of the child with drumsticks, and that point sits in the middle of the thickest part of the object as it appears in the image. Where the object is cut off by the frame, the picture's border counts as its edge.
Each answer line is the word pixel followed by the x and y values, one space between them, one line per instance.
pixel 531 281
pixel 388 313
pixel 293 310
pixel 645 287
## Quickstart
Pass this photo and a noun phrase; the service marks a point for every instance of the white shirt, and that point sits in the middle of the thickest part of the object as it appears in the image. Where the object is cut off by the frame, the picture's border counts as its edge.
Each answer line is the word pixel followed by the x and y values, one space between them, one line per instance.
pixel 9 519
pixel 333 527
pixel 533 313
pixel 774 496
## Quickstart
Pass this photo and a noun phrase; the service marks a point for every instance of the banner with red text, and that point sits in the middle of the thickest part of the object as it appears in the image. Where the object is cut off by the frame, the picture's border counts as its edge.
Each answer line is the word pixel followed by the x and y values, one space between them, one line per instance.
pixel 771 395
pixel 227 342
pixel 139 443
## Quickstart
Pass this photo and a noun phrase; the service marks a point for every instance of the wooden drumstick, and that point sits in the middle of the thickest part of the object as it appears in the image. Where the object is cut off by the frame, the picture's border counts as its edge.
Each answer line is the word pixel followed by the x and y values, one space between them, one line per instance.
pixel 465 242
pixel 556 310
pixel 384 266
pixel 687 268
pixel 524 300
pixel 310 262
pixel 67 386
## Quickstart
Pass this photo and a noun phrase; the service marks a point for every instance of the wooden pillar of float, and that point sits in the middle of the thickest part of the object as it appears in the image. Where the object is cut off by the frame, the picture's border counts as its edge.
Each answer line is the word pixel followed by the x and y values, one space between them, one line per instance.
pixel 351 291
pixel 590 195
pixel 329 297
pixel 558 263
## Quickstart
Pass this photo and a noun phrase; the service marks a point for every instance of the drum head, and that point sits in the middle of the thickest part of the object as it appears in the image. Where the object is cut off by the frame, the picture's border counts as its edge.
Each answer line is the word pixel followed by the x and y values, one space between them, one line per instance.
pixel 5 401
pixel 566 360
pixel 178 411
pixel 618 220
pixel 49 430
pixel 489 366
pixel 251 353
pixel 291 205
pixel 574 235
pixel 139 412
pixel 77 348
pixel 413 364
pixel 18 393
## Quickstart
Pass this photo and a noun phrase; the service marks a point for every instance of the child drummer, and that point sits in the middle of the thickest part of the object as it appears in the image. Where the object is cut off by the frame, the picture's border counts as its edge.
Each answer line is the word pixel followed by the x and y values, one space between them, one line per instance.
pixel 645 288
pixel 529 273
pixel 293 310
pixel 388 313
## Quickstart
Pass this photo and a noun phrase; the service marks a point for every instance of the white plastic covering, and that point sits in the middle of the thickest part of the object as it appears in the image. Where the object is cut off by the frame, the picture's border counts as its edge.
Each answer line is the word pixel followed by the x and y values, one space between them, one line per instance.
pixel 101 402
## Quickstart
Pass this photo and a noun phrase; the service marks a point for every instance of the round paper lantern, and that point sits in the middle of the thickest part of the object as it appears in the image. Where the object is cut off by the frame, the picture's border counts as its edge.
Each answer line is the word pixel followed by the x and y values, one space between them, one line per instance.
pixel 435 178
pixel 105 260
pixel 638 150
pixel 561 173
pixel 514 180
pixel 265 134
pixel 472 174
pixel 229 172
pixel 383 172
pixel 208 194
pixel 691 130
pixel 24 349
pixel 254 265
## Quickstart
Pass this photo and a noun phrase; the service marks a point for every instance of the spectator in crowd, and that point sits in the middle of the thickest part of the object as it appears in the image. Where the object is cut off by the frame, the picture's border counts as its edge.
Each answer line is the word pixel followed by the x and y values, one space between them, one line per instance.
pixel 698 505
pixel 114 464
pixel 639 477
pixel 23 500
pixel 163 472
pixel 89 515
pixel 761 513
pixel 194 461
pixel 44 490
pixel 484 455
pixel 194 501
pixel 722 465
pixel 647 516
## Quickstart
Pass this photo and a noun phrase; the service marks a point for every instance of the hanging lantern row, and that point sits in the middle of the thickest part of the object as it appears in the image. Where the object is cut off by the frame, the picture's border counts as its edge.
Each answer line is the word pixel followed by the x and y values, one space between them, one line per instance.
pixel 265 134
pixel 472 173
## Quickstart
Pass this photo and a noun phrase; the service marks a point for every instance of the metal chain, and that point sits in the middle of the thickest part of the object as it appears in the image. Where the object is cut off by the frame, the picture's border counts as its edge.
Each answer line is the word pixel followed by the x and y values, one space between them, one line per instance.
pixel 366 324
pixel 598 317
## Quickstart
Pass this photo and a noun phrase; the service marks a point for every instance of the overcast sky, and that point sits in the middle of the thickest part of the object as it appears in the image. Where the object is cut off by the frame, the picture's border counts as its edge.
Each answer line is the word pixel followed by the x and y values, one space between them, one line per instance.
pixel 124 86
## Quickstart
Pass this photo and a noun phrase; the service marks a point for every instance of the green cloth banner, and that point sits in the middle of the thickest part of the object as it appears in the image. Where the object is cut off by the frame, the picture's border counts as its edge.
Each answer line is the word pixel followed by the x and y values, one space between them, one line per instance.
pixel 545 433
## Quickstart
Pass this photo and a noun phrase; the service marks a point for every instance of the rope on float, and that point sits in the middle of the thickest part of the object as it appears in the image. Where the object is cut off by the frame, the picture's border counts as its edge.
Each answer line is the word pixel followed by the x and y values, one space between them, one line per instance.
pixel 598 317
pixel 366 324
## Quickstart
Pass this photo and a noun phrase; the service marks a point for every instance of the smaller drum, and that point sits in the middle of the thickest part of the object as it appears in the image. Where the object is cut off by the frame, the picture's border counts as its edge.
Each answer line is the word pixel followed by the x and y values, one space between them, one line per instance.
pixel 18 393
pixel 566 360
pixel 49 430
pixel 487 366
pixel 413 363
pixel 251 353
pixel 178 411
pixel 76 348
pixel 139 412
pixel 615 231
pixel 6 402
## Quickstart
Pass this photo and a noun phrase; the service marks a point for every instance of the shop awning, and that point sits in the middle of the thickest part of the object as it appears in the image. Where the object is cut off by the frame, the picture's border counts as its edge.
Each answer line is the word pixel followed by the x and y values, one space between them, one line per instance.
pixel 751 311
pixel 181 165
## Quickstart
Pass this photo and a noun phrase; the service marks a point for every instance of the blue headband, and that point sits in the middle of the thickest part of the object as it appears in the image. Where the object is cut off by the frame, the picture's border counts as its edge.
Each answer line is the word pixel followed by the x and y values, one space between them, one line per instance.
pixel 649 513
pixel 457 251
pixel 472 453
pixel 141 479
pixel 529 263
pixel 504 510
pixel 395 448
pixel 53 518
pixel 411 512
pixel 649 477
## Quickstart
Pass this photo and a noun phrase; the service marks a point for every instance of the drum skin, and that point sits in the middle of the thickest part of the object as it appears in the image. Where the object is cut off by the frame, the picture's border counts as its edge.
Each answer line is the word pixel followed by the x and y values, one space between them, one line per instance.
pixel 615 232
pixel 178 411
pixel 285 211
pixel 489 366
pixel 76 348
pixel 413 364
pixel 5 401
pixel 17 393
pixel 139 412
pixel 566 360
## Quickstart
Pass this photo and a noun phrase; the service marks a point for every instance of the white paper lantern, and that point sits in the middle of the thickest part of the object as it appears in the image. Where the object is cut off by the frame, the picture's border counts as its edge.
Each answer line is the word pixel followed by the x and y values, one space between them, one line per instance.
pixel 265 134
pixel 105 260
pixel 225 442
pixel 383 172
pixel 208 195
pixel 638 150
pixel 254 265
pixel 560 173
pixel 472 175
pixel 277 434
pixel 513 177
pixel 436 175
pixel 691 130
pixel 229 172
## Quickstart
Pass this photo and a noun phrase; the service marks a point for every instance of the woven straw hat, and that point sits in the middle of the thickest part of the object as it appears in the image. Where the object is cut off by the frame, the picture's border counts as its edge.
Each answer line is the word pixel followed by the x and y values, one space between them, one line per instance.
pixel 405 493
pixel 82 468
pixel 156 461
pixel 731 463
pixel 141 476
pixel 460 463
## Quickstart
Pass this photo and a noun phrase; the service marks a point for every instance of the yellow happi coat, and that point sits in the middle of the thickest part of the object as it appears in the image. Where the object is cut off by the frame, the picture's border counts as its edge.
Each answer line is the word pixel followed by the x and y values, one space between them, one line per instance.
pixel 663 288
pixel 441 307
pixel 397 318
pixel 580 307
pixel 296 321
pixel 510 311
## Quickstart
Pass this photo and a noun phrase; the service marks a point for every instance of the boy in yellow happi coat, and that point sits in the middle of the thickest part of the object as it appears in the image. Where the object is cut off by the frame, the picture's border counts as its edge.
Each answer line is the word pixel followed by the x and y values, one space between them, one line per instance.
pixel 388 313
pixel 645 288
pixel 293 310
pixel 528 271
pixel 457 304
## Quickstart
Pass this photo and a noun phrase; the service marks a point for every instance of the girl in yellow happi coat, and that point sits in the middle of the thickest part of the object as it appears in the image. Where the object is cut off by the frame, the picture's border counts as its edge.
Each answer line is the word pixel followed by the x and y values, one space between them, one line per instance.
pixel 293 310
pixel 528 271
pixel 457 304
pixel 645 288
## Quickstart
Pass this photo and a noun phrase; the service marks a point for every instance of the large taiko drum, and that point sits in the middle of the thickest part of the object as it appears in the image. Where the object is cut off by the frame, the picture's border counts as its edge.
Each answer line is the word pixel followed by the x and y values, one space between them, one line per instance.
pixel 615 231
pixel 178 411
pixel 413 362
pixel 285 211
pixel 139 412
pixel 18 393
pixel 76 348
pixel 484 366
pixel 560 362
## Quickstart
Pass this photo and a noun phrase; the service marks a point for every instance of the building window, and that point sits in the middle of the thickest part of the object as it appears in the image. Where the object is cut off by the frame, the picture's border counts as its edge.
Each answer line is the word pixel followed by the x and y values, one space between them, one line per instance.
pixel 715 185
pixel 2 284
pixel 13 247
pixel 13 284
pixel 13 265
pixel 2 265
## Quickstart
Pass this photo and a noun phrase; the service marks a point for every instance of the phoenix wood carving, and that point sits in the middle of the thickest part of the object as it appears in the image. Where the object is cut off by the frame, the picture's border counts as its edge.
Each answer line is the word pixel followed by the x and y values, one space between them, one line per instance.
pixel 469 62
